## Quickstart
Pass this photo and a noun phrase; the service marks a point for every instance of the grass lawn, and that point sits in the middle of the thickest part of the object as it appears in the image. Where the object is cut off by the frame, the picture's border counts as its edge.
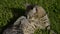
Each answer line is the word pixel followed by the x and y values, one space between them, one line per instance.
pixel 10 10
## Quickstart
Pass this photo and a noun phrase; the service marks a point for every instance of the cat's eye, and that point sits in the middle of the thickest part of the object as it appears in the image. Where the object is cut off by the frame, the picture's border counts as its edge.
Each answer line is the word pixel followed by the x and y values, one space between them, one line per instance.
pixel 44 22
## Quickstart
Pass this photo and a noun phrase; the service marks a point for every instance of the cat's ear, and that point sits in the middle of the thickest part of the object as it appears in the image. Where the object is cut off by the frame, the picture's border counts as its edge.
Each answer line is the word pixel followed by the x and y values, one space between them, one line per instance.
pixel 29 7
pixel 26 5
pixel 36 8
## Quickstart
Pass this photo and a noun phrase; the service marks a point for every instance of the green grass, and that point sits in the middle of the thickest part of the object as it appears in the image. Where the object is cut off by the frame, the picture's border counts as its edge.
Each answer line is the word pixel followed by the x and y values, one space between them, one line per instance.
pixel 9 9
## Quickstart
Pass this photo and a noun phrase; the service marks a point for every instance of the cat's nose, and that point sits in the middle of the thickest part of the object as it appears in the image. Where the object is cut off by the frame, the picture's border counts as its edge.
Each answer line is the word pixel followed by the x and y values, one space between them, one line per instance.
pixel 48 27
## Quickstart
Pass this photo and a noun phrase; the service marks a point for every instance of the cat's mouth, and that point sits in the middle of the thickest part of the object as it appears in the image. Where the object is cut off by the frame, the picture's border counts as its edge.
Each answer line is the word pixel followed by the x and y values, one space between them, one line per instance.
pixel 48 27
